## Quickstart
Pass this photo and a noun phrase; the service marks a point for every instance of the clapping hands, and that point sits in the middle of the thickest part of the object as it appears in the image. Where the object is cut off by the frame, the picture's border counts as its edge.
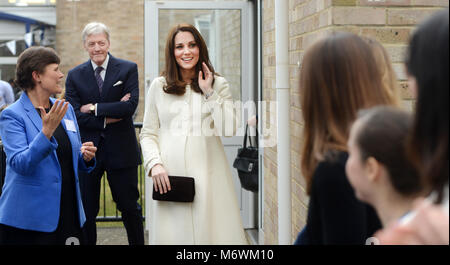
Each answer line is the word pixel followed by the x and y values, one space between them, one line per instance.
pixel 88 151
pixel 52 119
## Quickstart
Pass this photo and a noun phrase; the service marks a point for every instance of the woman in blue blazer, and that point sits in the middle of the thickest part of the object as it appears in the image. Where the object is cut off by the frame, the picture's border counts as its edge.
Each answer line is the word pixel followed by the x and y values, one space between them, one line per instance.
pixel 41 201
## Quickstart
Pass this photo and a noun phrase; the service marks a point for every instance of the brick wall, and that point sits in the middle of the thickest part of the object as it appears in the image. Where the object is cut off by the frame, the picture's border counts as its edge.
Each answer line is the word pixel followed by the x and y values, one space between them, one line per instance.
pixel 230 50
pixel 126 22
pixel 125 19
pixel 390 22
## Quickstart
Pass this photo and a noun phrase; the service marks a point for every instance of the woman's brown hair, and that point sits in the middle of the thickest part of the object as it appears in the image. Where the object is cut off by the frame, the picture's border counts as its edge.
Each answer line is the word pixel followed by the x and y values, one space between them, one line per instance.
pixel 175 83
pixel 33 59
pixel 339 76
pixel 388 76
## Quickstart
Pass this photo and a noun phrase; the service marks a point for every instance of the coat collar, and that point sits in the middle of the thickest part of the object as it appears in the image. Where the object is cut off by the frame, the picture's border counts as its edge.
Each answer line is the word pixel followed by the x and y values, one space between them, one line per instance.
pixel 111 72
pixel 31 110
pixel 111 75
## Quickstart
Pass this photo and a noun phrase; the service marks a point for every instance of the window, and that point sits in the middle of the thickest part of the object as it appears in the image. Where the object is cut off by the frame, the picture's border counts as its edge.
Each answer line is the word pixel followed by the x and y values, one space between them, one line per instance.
pixel 27 2
pixel 205 24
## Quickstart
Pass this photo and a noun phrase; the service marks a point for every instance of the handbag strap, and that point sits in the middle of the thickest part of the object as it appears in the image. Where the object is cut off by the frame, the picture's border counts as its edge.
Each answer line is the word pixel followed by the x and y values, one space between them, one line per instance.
pixel 250 138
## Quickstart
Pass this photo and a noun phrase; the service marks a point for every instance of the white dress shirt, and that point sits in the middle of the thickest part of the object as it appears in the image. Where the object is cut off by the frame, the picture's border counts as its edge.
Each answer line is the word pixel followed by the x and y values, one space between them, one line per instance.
pixel 102 75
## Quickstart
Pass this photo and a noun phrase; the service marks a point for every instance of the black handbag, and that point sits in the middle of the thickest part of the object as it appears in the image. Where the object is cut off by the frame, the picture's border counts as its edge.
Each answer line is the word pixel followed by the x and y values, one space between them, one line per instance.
pixel 182 190
pixel 247 164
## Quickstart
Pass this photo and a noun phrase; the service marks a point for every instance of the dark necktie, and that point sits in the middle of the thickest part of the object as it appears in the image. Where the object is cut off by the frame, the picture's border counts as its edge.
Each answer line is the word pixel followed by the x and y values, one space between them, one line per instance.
pixel 98 78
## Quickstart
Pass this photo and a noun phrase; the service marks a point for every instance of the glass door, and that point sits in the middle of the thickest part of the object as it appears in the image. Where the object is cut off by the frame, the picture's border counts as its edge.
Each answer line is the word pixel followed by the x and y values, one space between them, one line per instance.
pixel 227 27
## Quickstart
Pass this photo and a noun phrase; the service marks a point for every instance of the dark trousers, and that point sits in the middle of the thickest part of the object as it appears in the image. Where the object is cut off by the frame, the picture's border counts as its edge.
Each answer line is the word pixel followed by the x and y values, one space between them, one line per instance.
pixel 62 236
pixel 125 193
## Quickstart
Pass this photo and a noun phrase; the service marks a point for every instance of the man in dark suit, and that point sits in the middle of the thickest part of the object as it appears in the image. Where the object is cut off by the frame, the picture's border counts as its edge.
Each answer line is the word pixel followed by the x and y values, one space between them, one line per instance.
pixel 104 92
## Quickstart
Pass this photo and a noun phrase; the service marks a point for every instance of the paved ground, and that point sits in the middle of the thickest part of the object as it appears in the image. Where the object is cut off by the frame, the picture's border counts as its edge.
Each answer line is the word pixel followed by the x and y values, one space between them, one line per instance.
pixel 118 236
pixel 113 236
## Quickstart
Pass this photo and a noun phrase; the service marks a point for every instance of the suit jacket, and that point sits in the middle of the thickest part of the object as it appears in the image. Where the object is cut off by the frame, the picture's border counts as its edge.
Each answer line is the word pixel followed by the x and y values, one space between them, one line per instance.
pixel 121 77
pixel 32 190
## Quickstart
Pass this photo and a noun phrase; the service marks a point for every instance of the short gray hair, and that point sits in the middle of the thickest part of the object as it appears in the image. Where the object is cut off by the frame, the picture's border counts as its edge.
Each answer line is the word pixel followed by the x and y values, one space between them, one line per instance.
pixel 95 28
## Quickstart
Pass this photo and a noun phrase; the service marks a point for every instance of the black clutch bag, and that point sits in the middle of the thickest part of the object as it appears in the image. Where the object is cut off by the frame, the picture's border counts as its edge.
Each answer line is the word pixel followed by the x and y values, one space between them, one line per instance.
pixel 182 190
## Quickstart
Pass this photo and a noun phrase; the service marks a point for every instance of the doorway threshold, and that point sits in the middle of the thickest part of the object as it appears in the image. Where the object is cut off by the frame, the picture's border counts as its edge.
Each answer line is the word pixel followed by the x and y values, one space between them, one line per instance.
pixel 252 236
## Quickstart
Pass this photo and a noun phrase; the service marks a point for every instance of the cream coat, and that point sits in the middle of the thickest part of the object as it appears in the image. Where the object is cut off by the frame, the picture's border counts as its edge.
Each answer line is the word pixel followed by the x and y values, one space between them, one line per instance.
pixel 183 134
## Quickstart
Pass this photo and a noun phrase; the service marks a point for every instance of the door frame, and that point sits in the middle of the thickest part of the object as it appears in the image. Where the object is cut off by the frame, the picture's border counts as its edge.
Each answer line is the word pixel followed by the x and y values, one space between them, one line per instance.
pixel 251 210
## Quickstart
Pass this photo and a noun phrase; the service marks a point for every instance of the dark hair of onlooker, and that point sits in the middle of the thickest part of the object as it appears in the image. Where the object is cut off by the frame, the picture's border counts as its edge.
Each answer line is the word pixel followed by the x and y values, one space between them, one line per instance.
pixel 11 82
pixel 175 84
pixel 339 76
pixel 382 135
pixel 428 62
pixel 33 59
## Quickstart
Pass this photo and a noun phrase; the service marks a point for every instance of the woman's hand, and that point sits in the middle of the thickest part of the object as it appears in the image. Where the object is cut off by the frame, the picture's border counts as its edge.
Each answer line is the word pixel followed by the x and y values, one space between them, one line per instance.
pixel 160 179
pixel 52 119
pixel 88 151
pixel 205 84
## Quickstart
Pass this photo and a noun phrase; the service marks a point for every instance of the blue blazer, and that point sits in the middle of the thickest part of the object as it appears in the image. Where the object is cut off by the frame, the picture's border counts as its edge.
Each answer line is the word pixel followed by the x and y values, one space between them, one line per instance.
pixel 119 139
pixel 32 190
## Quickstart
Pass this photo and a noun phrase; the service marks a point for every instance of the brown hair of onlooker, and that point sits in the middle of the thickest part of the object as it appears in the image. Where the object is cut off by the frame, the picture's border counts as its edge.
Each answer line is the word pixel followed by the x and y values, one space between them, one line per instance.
pixel 388 76
pixel 339 76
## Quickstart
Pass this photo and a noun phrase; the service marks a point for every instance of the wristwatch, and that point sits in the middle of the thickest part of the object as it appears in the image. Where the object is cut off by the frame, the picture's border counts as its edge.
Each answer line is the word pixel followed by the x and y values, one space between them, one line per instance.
pixel 92 109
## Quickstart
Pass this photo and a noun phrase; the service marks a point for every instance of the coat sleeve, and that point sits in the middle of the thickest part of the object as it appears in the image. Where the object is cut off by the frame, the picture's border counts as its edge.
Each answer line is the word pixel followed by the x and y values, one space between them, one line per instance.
pixel 84 119
pixel 23 156
pixel 123 109
pixel 149 136
pixel 222 110
pixel 82 165
pixel 86 166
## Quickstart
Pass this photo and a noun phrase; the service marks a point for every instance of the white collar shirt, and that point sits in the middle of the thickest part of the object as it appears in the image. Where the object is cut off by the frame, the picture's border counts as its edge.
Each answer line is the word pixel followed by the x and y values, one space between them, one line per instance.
pixel 104 65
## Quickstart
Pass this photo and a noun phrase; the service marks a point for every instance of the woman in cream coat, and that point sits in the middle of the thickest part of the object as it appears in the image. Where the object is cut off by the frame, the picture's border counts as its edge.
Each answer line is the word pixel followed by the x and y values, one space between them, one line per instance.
pixel 186 112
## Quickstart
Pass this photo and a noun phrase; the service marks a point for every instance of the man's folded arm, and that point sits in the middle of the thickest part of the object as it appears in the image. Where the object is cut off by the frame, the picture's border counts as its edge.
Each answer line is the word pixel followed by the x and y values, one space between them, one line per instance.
pixel 123 109
pixel 84 119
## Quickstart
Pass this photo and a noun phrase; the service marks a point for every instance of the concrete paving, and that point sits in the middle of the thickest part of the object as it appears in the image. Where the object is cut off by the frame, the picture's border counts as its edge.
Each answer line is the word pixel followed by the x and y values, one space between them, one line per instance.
pixel 113 236
pixel 118 236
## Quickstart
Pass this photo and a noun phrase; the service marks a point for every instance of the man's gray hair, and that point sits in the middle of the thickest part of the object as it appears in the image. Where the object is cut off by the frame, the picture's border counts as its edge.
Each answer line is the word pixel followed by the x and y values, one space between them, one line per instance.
pixel 95 28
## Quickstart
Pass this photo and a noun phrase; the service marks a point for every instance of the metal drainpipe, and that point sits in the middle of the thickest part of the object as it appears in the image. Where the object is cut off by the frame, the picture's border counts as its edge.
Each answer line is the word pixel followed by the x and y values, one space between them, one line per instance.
pixel 283 121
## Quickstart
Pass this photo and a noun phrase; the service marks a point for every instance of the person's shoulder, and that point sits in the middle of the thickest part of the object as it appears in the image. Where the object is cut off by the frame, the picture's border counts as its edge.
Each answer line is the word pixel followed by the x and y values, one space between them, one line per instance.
pixel 78 67
pixel 157 85
pixel 331 171
pixel 5 86
pixel 160 81
pixel 220 80
pixel 122 62
pixel 15 109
